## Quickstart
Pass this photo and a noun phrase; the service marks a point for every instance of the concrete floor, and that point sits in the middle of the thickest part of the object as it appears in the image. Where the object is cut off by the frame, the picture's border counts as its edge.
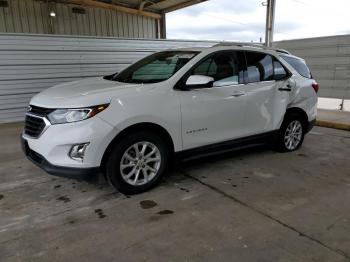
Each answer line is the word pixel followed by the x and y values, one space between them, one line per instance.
pixel 252 205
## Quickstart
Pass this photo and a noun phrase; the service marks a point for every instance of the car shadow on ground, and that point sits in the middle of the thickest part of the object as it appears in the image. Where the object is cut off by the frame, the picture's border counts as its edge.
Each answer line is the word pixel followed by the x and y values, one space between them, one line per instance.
pixel 182 166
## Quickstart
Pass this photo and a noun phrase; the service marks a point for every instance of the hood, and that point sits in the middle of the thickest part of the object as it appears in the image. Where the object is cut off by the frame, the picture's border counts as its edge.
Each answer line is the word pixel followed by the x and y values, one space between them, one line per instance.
pixel 83 93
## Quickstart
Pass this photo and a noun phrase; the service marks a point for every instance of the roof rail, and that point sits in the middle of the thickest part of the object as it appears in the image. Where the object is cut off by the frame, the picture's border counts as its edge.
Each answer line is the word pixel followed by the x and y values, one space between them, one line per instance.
pixel 281 51
pixel 255 45
pixel 239 44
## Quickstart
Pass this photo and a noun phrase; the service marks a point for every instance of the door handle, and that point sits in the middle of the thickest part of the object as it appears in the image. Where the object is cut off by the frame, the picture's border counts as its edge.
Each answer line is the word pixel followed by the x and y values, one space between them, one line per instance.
pixel 238 94
pixel 285 89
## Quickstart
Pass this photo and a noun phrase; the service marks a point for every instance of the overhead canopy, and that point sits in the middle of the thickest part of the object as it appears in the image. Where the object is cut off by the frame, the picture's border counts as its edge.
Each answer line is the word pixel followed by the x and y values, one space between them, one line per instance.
pixel 149 8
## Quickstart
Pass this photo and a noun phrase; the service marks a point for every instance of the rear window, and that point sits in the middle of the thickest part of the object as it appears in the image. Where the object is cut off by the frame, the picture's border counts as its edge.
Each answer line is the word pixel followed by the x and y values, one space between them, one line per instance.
pixel 299 65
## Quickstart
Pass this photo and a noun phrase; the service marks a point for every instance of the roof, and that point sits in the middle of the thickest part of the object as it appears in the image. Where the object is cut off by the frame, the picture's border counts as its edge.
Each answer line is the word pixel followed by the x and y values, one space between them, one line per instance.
pixel 150 8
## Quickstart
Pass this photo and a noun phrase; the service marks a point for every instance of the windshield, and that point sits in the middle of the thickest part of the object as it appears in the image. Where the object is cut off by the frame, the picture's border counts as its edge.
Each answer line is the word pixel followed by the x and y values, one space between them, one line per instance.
pixel 155 68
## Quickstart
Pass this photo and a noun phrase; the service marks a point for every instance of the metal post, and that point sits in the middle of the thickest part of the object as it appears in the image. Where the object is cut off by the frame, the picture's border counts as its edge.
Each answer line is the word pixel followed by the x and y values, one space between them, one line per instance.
pixel 49 18
pixel 270 20
pixel 342 105
pixel 163 26
pixel 158 28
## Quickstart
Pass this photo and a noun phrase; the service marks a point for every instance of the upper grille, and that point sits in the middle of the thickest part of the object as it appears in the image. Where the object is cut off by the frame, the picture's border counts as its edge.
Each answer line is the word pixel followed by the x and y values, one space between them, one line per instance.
pixel 36 121
pixel 40 111
pixel 33 126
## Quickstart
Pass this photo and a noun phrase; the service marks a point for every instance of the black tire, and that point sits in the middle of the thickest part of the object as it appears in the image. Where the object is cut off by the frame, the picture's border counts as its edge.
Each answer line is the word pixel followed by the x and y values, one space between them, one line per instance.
pixel 279 143
pixel 113 165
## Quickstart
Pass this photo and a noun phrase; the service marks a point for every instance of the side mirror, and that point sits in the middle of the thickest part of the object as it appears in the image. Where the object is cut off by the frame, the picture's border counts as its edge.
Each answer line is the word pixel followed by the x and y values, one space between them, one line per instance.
pixel 197 81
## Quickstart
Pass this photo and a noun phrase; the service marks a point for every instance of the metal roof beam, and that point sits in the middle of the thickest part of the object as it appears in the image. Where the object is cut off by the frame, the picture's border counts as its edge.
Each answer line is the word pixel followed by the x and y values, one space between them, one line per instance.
pixel 182 5
pixel 148 3
pixel 114 7
pixel 152 3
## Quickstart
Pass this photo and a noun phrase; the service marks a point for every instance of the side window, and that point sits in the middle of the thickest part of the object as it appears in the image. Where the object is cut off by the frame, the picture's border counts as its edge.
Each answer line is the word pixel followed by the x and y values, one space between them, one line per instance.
pixel 259 67
pixel 299 65
pixel 227 68
pixel 278 69
pixel 204 68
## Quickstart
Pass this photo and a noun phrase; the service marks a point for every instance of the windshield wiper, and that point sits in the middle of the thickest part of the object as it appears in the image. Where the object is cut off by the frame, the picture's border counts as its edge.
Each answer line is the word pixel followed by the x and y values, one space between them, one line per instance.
pixel 110 77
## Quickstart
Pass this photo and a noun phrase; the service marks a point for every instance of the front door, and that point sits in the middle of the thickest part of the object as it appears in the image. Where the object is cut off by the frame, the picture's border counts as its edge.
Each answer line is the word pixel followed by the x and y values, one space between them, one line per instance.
pixel 215 114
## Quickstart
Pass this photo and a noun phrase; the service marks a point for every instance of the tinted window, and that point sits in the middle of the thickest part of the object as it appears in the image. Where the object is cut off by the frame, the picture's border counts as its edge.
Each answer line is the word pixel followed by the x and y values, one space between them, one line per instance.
pixel 206 68
pixel 259 67
pixel 299 66
pixel 155 68
pixel 226 68
pixel 279 69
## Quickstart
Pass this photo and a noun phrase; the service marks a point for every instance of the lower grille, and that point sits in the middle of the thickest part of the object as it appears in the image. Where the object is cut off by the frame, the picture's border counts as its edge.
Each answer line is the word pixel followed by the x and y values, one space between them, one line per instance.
pixel 37 158
pixel 34 126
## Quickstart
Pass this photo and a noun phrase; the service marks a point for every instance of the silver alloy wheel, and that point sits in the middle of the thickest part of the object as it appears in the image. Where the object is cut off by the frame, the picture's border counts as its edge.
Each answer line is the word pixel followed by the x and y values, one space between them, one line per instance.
pixel 140 163
pixel 293 135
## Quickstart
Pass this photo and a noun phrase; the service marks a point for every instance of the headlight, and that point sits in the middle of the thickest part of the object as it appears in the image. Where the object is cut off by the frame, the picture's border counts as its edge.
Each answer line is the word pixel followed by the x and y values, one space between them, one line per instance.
pixel 60 116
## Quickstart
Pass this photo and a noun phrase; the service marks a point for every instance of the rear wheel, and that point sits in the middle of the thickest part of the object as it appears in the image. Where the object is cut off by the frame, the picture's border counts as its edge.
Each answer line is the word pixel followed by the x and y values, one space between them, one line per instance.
pixel 291 134
pixel 137 162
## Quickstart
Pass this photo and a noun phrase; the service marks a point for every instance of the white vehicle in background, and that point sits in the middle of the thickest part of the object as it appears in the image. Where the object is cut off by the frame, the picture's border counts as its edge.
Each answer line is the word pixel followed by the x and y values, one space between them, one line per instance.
pixel 184 102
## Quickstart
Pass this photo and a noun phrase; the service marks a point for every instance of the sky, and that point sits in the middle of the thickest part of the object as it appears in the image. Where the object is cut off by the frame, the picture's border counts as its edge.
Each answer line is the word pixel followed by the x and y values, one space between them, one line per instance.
pixel 244 20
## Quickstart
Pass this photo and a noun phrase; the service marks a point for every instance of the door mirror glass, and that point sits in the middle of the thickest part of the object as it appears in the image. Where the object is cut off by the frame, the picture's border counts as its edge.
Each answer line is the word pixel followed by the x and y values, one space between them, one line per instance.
pixel 279 71
pixel 199 81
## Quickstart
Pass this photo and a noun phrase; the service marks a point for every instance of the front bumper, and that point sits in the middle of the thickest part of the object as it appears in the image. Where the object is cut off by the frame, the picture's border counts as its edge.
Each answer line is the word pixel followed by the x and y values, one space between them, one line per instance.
pixel 70 172
pixel 56 142
pixel 50 151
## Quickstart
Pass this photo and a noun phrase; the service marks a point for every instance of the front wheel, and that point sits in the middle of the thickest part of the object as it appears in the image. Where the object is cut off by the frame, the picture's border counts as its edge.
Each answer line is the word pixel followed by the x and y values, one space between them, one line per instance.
pixel 291 134
pixel 137 162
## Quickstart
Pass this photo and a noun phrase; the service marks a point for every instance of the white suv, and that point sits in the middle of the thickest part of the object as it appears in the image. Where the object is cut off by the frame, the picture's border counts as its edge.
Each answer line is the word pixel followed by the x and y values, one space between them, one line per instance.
pixel 183 102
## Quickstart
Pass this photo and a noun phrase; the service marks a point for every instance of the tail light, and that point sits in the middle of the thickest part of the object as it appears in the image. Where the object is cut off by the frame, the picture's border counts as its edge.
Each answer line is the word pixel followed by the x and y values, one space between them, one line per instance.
pixel 315 86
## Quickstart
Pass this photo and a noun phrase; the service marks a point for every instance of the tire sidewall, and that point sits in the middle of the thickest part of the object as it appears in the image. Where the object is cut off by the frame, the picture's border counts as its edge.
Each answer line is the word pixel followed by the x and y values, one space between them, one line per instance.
pixel 281 133
pixel 113 174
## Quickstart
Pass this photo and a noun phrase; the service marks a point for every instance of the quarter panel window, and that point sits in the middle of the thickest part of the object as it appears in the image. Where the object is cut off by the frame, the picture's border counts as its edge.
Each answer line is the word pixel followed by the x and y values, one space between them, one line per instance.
pixel 299 65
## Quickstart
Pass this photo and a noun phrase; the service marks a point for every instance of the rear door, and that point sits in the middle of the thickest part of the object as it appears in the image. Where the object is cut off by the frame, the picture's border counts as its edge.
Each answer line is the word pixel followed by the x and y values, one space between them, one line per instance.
pixel 267 93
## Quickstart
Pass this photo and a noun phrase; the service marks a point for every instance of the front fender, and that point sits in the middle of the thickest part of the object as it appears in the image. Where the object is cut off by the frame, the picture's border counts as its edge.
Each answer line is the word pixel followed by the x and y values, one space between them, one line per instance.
pixel 160 109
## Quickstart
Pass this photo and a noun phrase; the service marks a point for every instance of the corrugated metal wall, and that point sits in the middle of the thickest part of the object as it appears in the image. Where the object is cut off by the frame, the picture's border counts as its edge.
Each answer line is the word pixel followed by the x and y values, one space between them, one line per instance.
pixel 30 16
pixel 31 63
pixel 329 61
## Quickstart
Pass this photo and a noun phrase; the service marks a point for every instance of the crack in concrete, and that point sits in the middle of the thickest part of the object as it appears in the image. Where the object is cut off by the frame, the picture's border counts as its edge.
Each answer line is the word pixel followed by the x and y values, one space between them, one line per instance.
pixel 217 190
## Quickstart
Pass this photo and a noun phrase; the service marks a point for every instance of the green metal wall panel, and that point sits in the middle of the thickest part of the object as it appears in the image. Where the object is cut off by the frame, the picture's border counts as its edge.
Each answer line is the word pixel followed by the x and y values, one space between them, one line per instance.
pixel 29 16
